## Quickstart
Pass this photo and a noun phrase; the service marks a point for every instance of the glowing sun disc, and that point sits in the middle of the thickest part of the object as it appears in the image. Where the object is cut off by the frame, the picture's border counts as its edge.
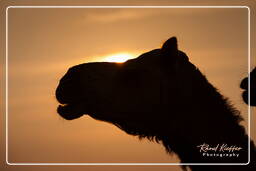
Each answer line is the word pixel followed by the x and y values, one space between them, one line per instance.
pixel 119 58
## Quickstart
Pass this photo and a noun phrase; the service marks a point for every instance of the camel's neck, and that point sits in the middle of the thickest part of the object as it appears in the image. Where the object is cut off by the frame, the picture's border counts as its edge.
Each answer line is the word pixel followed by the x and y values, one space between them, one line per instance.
pixel 206 119
pixel 202 127
pixel 214 137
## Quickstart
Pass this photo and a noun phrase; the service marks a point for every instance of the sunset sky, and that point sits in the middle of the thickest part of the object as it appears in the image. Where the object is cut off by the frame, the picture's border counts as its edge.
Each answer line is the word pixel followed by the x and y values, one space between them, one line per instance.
pixel 44 43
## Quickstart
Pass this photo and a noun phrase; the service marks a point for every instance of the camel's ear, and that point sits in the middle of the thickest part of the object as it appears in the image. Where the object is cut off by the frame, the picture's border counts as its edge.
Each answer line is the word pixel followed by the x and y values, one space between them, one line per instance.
pixel 170 45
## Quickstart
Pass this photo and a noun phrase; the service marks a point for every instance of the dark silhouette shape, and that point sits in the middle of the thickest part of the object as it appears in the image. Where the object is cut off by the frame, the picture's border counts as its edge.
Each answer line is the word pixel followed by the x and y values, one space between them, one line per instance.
pixel 244 85
pixel 160 96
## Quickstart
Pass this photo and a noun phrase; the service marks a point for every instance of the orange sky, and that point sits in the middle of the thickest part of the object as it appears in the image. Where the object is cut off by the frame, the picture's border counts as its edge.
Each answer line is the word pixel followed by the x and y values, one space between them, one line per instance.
pixel 43 43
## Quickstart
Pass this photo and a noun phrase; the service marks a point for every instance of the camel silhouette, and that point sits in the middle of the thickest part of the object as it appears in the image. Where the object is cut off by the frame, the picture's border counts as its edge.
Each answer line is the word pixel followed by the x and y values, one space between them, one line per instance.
pixel 244 85
pixel 161 96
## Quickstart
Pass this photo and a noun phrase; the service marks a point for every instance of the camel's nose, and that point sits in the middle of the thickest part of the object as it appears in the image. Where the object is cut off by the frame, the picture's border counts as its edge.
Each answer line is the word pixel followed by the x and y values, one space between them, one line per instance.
pixel 64 93
pixel 68 90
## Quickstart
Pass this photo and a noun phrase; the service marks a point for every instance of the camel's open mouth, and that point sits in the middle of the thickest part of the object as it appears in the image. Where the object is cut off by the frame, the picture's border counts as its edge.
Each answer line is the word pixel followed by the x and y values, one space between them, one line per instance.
pixel 71 111
pixel 71 105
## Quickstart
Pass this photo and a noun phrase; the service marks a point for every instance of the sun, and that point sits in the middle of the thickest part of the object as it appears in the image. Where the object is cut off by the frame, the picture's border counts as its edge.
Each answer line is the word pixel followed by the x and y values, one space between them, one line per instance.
pixel 119 57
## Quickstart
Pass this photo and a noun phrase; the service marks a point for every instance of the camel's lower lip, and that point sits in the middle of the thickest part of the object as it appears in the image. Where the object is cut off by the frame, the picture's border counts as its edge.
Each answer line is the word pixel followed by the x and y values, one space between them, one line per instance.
pixel 245 96
pixel 252 96
pixel 70 111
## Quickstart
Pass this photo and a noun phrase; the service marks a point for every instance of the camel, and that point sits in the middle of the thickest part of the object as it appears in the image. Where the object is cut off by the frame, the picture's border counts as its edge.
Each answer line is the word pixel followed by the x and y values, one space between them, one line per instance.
pixel 244 86
pixel 163 97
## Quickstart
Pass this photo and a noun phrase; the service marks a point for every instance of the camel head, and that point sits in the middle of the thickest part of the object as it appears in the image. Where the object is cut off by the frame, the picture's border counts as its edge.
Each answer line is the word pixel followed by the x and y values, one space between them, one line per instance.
pixel 134 95
pixel 159 95
pixel 244 85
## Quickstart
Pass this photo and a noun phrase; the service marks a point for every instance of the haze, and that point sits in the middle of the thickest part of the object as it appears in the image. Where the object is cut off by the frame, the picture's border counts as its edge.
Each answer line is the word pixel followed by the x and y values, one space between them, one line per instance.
pixel 44 43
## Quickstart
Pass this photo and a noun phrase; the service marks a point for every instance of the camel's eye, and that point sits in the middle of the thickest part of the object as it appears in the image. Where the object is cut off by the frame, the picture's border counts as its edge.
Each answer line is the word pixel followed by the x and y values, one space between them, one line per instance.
pixel 131 77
